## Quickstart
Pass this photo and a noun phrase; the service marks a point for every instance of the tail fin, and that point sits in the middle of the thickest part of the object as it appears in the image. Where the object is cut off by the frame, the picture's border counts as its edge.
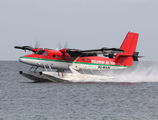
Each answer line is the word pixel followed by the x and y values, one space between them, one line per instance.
pixel 129 46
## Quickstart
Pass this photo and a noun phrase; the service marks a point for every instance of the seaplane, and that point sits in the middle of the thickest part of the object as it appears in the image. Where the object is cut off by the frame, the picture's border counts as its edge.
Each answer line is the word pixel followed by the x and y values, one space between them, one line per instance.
pixel 69 65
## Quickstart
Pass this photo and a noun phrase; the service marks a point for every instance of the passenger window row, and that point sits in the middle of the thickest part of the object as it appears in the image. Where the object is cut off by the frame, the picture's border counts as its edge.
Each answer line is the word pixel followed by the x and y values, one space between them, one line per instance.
pixel 54 56
pixel 87 59
pixel 58 56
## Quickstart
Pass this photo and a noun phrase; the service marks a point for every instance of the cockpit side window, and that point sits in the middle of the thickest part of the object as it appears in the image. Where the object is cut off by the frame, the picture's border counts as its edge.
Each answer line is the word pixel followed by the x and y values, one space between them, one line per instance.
pixel 45 54
pixel 40 52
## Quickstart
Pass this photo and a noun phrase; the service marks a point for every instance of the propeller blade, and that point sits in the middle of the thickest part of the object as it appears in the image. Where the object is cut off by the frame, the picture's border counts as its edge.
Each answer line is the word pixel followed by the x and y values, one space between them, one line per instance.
pixel 66 45
pixel 59 46
pixel 37 44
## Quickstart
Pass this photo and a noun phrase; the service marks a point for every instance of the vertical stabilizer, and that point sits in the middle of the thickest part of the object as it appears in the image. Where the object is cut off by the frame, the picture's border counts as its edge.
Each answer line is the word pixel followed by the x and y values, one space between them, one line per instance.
pixel 129 46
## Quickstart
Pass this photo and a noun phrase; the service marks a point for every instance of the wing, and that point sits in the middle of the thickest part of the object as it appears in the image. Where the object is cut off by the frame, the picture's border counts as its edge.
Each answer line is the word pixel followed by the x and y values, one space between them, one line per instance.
pixel 24 47
pixel 28 48
pixel 94 52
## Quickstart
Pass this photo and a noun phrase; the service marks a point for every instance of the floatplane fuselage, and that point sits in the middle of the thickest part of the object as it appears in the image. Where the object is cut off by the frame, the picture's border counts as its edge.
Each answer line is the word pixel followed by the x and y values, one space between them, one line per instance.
pixel 76 60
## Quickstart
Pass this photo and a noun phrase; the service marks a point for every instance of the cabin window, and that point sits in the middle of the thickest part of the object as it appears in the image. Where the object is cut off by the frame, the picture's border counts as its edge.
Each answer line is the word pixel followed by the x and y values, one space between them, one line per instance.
pixel 68 58
pixel 58 56
pixel 45 54
pixel 83 59
pixel 72 58
pixel 54 56
pixel 40 52
pixel 87 59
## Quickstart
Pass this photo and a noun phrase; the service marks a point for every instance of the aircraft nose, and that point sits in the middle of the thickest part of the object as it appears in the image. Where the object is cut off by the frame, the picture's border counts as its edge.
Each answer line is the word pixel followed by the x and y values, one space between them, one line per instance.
pixel 25 60
pixel 21 59
pixel 30 61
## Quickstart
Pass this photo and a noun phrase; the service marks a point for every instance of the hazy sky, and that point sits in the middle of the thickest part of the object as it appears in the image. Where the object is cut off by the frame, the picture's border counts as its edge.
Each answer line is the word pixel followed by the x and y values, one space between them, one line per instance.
pixel 84 24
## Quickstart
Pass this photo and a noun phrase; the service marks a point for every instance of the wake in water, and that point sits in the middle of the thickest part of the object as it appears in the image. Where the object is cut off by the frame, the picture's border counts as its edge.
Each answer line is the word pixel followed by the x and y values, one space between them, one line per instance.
pixel 139 72
pixel 143 71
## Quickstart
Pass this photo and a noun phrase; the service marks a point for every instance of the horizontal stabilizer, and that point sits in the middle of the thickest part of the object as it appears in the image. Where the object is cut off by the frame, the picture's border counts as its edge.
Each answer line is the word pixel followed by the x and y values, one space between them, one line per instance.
pixel 134 56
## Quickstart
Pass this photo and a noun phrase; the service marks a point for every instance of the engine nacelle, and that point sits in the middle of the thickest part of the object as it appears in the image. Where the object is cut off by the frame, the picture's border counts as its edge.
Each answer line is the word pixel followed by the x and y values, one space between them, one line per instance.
pixel 65 54
pixel 36 49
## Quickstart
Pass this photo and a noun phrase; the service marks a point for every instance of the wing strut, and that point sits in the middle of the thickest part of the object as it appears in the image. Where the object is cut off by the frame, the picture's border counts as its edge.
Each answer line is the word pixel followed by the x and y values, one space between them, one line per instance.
pixel 71 66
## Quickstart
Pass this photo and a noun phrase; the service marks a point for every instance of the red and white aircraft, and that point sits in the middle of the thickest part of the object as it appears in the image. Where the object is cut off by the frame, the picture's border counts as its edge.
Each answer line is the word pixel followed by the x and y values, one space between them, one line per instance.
pixel 76 60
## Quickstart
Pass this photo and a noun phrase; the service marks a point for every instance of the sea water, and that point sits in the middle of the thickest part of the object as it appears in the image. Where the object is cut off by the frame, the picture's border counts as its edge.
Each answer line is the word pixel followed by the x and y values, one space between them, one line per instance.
pixel 132 95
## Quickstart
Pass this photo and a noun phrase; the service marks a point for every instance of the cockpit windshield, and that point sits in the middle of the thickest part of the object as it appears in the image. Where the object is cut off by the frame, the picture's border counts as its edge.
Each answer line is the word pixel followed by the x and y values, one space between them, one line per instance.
pixel 40 52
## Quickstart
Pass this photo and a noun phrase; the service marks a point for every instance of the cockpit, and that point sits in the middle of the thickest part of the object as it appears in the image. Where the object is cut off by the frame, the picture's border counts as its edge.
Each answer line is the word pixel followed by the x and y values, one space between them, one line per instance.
pixel 40 52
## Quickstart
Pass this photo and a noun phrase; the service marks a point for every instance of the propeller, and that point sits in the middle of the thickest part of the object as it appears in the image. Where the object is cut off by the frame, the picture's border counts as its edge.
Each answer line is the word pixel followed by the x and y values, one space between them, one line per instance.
pixel 66 45
pixel 37 44
pixel 59 46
